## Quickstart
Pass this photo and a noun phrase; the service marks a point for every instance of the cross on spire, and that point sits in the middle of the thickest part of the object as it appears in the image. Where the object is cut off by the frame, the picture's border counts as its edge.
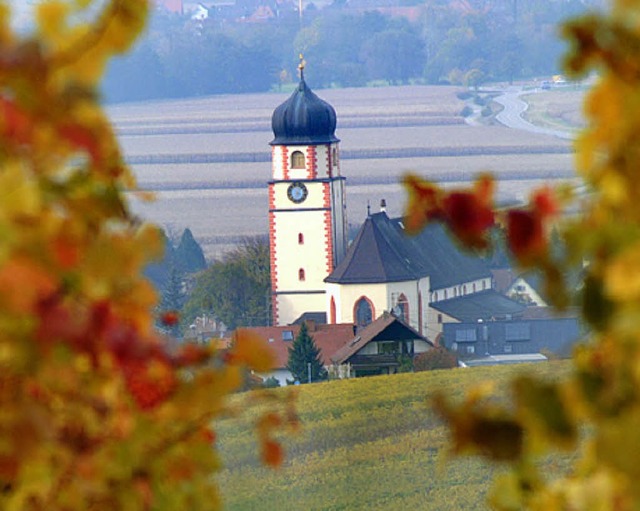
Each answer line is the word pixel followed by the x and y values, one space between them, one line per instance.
pixel 301 66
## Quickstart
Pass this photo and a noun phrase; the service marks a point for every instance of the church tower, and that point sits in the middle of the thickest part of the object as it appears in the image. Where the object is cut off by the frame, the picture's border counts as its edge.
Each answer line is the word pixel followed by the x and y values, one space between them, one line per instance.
pixel 307 208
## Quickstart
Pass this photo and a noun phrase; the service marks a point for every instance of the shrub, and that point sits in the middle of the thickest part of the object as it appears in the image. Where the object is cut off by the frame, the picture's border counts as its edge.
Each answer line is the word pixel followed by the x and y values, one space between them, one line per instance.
pixel 466 111
pixel 437 357
pixel 479 100
pixel 271 383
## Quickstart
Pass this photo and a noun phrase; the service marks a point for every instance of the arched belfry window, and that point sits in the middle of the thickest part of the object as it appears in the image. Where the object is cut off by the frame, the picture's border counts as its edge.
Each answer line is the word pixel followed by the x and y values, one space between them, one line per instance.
pixel 300 238
pixel 297 160
pixel 363 312
pixel 301 275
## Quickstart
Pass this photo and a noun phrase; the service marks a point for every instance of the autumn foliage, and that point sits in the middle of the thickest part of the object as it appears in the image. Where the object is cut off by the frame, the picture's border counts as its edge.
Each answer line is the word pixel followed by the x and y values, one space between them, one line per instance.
pixel 595 414
pixel 96 410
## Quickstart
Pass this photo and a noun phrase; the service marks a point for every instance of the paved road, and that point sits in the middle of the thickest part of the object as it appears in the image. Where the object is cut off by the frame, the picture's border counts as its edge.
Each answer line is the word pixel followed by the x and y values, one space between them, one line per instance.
pixel 511 116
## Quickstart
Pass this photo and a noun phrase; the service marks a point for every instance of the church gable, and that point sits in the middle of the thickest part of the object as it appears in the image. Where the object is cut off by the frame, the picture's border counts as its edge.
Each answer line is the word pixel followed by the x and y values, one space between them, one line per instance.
pixel 375 256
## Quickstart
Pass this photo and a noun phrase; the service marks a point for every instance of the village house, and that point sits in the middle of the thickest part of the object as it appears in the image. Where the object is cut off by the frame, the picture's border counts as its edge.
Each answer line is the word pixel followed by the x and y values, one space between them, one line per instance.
pixel 346 351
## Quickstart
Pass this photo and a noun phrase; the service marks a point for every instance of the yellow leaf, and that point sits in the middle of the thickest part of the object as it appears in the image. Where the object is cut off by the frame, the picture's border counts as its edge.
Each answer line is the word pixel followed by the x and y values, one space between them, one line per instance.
pixel 252 350
pixel 51 17
pixel 622 278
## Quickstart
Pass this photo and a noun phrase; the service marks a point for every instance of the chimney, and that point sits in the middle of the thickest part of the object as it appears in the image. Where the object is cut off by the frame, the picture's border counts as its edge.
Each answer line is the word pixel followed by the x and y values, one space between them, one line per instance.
pixel 383 206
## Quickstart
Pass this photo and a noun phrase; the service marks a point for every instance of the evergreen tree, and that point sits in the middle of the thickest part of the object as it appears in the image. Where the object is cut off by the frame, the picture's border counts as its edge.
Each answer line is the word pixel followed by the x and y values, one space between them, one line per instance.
pixel 173 296
pixel 304 352
pixel 189 255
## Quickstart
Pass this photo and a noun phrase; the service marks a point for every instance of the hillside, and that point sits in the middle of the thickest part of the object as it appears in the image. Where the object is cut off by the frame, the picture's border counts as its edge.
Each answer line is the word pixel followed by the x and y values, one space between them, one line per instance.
pixel 370 443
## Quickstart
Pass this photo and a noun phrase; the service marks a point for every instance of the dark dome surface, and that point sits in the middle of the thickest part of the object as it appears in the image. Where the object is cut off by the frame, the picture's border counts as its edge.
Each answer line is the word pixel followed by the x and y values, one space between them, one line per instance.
pixel 303 119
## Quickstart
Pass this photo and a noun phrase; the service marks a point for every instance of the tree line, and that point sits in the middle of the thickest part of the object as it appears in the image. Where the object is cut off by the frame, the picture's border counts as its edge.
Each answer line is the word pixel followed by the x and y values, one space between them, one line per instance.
pixel 346 46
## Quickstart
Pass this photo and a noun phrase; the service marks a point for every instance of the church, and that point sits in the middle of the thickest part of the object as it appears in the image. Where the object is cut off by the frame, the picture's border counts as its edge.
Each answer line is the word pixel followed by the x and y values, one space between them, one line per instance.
pixel 424 280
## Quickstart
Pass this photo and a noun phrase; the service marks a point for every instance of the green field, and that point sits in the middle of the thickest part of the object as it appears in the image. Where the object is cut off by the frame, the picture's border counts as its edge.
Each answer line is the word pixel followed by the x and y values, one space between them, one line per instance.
pixel 367 444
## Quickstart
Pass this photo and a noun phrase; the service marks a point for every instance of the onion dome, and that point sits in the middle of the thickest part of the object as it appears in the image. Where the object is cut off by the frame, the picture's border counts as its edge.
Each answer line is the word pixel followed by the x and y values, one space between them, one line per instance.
pixel 304 119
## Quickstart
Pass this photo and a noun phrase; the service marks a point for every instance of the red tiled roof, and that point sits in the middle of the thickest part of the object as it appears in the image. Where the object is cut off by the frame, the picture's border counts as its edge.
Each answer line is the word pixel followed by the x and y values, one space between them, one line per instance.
pixel 502 278
pixel 328 338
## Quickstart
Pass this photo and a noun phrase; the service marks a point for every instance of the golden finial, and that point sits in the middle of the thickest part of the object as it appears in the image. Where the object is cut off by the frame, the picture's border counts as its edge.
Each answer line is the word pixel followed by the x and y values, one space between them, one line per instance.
pixel 301 66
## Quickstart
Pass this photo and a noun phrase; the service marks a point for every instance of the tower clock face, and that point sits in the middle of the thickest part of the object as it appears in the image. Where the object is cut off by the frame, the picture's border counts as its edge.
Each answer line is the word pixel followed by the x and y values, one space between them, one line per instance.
pixel 297 192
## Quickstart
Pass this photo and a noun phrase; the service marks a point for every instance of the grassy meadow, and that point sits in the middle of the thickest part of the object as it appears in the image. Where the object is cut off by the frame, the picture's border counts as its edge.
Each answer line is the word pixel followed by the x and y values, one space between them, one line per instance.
pixel 366 444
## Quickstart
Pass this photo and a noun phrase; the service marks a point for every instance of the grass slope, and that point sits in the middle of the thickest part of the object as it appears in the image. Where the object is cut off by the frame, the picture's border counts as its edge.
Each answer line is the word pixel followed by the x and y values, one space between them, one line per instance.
pixel 367 444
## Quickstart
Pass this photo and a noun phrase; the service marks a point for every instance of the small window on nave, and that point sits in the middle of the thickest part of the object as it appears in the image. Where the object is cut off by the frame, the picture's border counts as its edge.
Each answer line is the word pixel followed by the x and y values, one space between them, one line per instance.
pixel 297 160
pixel 301 275
pixel 300 238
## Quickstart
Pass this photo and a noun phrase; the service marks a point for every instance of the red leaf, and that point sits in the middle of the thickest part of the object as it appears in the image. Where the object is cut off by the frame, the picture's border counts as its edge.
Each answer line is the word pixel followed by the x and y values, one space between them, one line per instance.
pixel 81 137
pixel 16 124
pixel 170 318
pixel 272 453
pixel 150 382
pixel 525 234
pixel 468 217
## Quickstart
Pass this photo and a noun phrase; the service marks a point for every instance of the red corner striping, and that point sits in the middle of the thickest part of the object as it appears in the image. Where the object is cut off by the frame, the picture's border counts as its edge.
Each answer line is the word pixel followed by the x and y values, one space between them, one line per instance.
pixel 285 162
pixel 312 167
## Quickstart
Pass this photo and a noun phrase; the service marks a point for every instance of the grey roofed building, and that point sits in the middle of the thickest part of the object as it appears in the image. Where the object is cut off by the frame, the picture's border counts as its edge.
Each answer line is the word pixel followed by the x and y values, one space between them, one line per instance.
pixel 383 252
pixel 486 306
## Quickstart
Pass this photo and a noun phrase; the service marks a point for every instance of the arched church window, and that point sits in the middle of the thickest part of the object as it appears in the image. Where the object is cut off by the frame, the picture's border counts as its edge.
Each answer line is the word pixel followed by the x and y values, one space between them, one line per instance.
pixel 297 160
pixel 332 312
pixel 335 156
pixel 300 238
pixel 301 275
pixel 403 308
pixel 363 312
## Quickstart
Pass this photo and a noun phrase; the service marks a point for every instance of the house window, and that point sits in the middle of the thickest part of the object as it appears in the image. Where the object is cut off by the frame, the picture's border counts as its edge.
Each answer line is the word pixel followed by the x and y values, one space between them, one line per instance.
pixel 300 238
pixel 301 275
pixel 474 288
pixel 297 160
pixel 445 294
pixel 471 350
pixel 466 335
pixel 508 348
pixel 517 332
pixel 363 312
pixel 388 348
pixel 287 335
pixel 464 290
pixel 440 319
pixel 484 285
